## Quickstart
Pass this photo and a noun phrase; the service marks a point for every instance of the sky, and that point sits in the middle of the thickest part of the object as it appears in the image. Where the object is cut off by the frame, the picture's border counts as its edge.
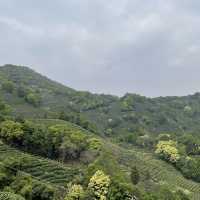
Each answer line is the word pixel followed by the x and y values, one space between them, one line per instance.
pixel 150 48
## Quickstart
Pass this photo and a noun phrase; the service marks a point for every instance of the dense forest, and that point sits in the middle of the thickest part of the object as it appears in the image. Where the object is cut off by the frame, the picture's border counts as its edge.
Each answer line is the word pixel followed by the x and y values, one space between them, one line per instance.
pixel 57 143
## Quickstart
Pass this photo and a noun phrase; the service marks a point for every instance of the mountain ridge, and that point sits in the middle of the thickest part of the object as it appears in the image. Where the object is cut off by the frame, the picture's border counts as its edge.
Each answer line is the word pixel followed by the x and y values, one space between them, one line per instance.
pixel 32 70
pixel 106 111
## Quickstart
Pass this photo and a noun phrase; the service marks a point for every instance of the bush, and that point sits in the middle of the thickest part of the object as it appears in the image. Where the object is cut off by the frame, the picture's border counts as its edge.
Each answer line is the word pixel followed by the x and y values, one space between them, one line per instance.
pixel 167 150
pixel 11 131
pixel 121 190
pixel 99 185
pixel 75 192
pixel 135 176
pixel 22 91
pixel 8 86
pixel 33 99
pixel 10 196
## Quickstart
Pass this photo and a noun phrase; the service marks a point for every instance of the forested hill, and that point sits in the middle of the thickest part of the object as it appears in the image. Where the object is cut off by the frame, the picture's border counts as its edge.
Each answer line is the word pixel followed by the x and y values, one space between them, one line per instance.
pixel 31 94
pixel 59 143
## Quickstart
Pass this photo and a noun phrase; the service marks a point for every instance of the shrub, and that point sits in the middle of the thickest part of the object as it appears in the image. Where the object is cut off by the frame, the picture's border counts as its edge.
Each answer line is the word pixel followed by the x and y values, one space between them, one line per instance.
pixel 168 151
pixel 99 185
pixel 135 176
pixel 11 131
pixel 8 86
pixel 75 192
pixel 10 196
pixel 33 99
pixel 121 190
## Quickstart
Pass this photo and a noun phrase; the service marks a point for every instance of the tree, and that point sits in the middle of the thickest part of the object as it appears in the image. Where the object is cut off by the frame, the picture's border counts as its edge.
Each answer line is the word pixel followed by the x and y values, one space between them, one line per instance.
pixel 73 144
pixel 10 196
pixel 68 150
pixel 22 91
pixel 42 191
pixel 99 185
pixel 54 137
pixel 4 108
pixel 145 141
pixel 120 190
pixel 33 99
pixel 11 131
pixel 8 86
pixel 75 192
pixel 3 179
pixel 135 176
pixel 22 185
pixel 167 150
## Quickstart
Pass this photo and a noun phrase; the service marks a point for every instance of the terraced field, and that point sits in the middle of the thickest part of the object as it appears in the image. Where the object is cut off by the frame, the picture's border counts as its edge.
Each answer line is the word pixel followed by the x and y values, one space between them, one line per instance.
pixel 59 174
pixel 51 172
pixel 161 172
pixel 51 122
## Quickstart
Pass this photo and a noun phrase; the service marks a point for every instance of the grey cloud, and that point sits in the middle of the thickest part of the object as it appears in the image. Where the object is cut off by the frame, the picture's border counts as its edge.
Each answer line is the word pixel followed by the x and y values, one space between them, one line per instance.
pixel 146 47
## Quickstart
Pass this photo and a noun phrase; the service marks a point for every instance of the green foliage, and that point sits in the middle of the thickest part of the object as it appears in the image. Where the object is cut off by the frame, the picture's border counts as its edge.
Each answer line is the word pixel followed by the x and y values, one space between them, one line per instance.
pixel 94 144
pixel 190 167
pixel 192 144
pixel 10 196
pixel 75 192
pixel 78 119
pixel 72 145
pixel 168 151
pixel 130 119
pixel 22 185
pixel 163 137
pixel 120 190
pixel 135 176
pixel 166 194
pixel 61 142
pixel 34 99
pixel 99 185
pixel 13 180
pixel 6 176
pixel 11 131
pixel 22 91
pixel 4 111
pixel 8 86
pixel 145 141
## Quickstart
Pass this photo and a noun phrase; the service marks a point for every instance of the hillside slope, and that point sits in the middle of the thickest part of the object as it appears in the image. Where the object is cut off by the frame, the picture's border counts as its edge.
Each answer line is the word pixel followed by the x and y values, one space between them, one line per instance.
pixel 67 135
pixel 110 114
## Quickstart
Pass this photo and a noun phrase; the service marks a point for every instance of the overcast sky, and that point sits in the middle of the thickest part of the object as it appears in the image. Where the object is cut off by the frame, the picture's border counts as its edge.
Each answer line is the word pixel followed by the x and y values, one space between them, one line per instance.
pixel 107 46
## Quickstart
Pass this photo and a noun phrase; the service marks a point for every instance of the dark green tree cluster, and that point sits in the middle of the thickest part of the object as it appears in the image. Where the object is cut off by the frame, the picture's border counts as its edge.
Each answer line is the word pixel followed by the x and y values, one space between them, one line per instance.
pixel 57 141
pixel 8 86
pixel 30 95
pixel 135 176
pixel 104 187
pixel 10 196
pixel 78 119
pixel 184 154
pixel 33 98
pixel 4 110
